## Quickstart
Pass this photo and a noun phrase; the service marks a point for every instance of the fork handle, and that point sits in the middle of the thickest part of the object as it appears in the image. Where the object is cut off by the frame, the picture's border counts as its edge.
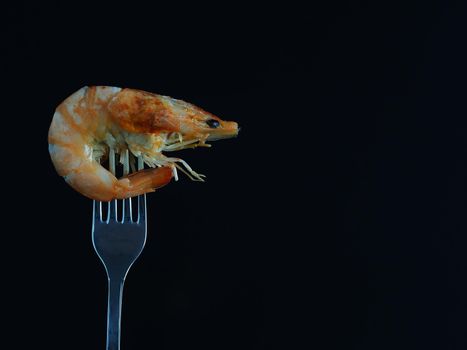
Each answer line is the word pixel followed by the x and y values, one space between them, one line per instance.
pixel 114 309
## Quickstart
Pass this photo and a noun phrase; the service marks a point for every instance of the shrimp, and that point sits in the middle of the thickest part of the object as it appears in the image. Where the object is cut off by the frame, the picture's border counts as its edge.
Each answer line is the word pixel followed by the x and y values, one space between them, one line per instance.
pixel 94 123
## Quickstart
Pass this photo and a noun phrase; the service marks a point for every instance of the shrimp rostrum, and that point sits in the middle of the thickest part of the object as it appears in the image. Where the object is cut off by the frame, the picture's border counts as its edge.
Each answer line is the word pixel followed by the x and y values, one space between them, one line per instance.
pixel 95 123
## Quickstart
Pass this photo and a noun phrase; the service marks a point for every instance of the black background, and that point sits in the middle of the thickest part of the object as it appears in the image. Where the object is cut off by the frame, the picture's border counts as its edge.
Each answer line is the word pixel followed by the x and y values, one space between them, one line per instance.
pixel 336 218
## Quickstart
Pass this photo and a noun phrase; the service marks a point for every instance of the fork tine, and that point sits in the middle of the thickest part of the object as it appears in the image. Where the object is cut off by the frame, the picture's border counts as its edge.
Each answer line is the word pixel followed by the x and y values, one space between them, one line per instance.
pixel 126 202
pixel 97 211
pixel 127 211
pixel 112 211
pixel 141 198
pixel 141 208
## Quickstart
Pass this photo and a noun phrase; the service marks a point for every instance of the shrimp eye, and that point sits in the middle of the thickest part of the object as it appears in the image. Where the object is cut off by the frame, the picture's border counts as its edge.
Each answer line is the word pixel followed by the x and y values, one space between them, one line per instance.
pixel 212 123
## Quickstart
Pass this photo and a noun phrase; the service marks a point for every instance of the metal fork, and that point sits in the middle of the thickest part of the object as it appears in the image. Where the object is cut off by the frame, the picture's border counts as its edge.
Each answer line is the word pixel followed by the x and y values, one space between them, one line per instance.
pixel 118 243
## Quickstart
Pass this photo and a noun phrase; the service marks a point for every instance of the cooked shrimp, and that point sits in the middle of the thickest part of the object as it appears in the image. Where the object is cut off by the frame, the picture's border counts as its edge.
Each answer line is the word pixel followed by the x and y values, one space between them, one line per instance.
pixel 97 122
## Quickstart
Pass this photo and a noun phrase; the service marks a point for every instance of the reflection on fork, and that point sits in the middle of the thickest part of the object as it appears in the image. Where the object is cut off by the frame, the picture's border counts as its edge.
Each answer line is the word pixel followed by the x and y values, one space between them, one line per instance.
pixel 118 243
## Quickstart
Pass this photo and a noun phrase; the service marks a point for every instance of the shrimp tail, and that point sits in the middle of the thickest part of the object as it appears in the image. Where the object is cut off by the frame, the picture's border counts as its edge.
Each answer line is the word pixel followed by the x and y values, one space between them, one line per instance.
pixel 144 181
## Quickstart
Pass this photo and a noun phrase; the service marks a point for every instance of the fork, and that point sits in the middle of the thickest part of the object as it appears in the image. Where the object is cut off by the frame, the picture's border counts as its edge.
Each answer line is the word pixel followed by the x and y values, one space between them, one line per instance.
pixel 118 243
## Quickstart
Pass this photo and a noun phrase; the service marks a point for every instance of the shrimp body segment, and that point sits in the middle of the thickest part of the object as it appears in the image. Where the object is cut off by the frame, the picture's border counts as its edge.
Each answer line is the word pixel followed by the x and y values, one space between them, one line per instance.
pixel 97 121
